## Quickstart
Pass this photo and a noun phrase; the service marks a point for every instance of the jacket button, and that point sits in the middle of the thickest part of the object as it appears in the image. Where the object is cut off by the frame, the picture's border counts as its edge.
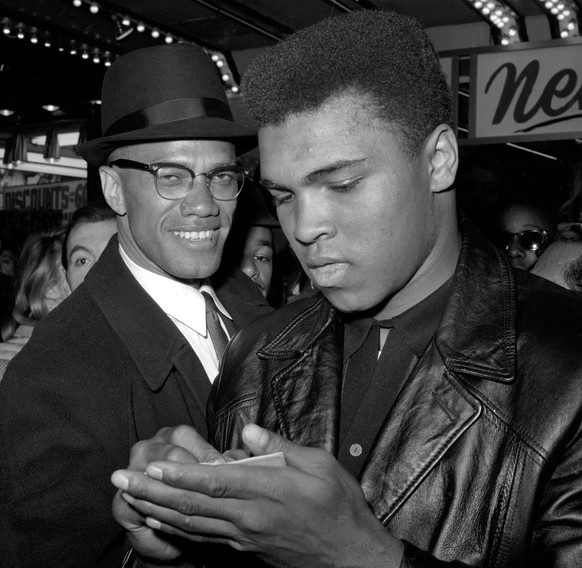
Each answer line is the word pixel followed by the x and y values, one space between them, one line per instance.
pixel 355 450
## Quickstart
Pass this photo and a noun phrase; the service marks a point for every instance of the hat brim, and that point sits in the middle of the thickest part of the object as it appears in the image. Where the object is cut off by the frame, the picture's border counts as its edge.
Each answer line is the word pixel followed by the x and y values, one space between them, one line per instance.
pixel 96 151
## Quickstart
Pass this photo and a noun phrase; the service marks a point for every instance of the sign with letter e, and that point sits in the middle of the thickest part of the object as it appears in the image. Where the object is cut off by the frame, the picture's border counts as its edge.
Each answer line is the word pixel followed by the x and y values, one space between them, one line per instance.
pixel 529 94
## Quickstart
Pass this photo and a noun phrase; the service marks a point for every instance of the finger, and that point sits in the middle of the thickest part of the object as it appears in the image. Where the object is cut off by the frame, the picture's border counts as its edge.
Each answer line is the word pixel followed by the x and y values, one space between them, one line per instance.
pixel 198 516
pixel 234 455
pixel 190 439
pixel 200 530
pixel 179 486
pixel 148 451
pixel 196 528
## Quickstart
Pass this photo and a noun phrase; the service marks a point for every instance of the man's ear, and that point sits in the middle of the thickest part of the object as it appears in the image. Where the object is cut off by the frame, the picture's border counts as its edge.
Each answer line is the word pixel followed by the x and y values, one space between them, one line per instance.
pixel 443 157
pixel 112 189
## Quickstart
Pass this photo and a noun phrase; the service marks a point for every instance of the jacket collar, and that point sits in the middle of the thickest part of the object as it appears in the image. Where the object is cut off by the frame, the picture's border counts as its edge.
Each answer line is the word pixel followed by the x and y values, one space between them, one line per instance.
pixel 476 334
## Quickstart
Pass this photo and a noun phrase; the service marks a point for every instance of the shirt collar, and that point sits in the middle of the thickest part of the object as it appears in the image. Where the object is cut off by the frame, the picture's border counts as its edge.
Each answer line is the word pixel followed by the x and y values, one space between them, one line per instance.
pixel 416 325
pixel 183 302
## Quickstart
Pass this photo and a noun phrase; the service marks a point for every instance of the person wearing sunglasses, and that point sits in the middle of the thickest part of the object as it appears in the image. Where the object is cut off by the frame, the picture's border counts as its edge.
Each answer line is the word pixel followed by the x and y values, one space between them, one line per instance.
pixel 524 232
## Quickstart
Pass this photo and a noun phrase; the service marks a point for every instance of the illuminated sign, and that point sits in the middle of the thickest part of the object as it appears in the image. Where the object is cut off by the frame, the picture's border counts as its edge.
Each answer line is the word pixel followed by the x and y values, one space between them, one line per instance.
pixel 530 94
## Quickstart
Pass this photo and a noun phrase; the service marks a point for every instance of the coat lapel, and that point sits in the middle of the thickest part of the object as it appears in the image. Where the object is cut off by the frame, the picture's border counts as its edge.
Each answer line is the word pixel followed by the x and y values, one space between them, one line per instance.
pixel 431 413
pixel 307 403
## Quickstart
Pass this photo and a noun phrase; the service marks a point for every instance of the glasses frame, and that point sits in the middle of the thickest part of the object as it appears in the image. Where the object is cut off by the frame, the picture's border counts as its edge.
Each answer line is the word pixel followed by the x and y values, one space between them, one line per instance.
pixel 512 236
pixel 155 167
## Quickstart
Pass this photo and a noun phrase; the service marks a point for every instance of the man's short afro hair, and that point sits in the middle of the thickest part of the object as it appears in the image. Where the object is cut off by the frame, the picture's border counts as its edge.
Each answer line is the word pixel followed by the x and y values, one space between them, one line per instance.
pixel 376 52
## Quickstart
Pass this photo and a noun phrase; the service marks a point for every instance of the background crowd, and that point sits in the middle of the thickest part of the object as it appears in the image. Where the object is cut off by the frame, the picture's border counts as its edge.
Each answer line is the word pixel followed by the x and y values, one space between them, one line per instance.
pixel 35 276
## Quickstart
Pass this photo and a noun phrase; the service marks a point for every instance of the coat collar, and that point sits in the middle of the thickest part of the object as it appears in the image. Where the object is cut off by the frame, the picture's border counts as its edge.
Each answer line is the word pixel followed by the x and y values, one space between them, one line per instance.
pixel 152 340
pixel 477 333
pixel 150 337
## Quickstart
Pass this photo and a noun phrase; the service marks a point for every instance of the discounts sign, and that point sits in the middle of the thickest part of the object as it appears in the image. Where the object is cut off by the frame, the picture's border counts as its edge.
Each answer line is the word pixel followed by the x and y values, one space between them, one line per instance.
pixel 66 197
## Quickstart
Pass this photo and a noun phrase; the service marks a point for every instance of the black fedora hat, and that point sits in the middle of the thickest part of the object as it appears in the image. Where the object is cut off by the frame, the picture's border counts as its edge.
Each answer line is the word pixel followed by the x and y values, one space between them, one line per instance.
pixel 166 92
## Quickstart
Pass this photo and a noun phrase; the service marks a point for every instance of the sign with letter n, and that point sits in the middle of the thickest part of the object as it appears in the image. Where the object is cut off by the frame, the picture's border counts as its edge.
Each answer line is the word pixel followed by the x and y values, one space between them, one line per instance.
pixel 528 94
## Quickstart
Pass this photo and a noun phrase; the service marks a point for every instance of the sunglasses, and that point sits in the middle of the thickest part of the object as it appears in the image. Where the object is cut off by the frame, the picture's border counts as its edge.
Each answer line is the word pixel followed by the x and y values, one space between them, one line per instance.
pixel 531 239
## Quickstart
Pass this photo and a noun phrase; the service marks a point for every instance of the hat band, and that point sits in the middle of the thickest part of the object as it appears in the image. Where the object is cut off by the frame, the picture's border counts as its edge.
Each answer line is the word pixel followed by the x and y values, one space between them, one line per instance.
pixel 170 111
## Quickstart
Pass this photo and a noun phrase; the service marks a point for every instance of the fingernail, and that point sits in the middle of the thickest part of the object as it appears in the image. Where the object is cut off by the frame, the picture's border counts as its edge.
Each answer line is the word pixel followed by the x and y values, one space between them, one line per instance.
pixel 153 523
pixel 154 471
pixel 120 480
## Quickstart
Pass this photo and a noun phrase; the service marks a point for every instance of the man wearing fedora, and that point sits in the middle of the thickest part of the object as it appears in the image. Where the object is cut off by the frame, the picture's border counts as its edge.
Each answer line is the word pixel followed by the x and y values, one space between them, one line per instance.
pixel 131 351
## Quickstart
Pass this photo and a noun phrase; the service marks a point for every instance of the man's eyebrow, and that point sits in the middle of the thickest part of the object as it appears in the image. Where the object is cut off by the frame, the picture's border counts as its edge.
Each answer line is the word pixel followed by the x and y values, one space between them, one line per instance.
pixel 264 243
pixel 316 175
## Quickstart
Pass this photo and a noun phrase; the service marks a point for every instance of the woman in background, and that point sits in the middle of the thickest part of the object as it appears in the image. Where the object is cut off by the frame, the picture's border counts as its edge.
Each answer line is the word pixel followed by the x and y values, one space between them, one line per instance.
pixel 40 287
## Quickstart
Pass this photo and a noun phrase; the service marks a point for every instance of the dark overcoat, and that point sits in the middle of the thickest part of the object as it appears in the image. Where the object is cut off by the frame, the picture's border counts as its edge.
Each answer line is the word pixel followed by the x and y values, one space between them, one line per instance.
pixel 107 368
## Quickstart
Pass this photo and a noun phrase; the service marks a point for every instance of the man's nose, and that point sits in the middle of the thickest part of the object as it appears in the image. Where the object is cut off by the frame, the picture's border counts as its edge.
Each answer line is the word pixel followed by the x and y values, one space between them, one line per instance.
pixel 250 269
pixel 199 201
pixel 312 221
pixel 515 250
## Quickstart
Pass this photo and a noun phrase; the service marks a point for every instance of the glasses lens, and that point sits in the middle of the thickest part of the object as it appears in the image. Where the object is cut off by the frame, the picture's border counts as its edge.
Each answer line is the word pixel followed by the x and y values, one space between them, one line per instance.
pixel 226 183
pixel 173 182
pixel 531 240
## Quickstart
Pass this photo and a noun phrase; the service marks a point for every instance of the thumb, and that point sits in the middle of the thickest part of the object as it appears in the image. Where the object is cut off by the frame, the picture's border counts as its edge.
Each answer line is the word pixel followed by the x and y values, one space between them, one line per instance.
pixel 261 442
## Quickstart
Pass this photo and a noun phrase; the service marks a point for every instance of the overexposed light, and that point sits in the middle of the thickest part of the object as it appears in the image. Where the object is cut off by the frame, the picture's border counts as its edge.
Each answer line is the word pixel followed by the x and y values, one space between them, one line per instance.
pixel 65 139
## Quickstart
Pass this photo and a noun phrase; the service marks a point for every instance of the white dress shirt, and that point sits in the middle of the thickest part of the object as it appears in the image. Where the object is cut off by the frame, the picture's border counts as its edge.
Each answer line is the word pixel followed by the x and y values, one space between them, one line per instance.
pixel 185 306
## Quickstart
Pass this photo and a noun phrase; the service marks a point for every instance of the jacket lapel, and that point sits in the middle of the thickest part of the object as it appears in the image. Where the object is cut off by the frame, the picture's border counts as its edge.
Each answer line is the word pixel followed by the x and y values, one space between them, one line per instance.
pixel 431 413
pixel 475 339
pixel 307 403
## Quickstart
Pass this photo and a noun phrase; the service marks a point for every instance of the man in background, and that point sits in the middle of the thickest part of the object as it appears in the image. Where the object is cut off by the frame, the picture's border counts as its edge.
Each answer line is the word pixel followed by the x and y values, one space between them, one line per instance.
pixel 88 233
pixel 562 260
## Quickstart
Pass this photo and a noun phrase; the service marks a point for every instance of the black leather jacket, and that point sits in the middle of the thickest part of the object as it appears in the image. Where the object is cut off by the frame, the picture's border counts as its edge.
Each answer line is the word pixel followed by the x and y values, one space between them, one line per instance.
pixel 479 462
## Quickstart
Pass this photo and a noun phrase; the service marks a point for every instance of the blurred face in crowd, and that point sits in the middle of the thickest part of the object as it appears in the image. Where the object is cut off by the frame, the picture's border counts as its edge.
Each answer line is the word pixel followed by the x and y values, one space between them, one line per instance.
pixel 516 220
pixel 561 263
pixel 58 292
pixel 257 259
pixel 7 262
pixel 357 210
pixel 181 238
pixel 85 243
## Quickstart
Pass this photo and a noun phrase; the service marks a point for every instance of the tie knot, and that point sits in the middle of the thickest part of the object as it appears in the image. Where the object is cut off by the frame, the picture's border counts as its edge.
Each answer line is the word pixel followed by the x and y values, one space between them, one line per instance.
pixel 209 302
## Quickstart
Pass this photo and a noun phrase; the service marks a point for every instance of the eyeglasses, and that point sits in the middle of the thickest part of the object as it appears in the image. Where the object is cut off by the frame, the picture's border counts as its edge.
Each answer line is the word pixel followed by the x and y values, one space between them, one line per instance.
pixel 174 181
pixel 531 239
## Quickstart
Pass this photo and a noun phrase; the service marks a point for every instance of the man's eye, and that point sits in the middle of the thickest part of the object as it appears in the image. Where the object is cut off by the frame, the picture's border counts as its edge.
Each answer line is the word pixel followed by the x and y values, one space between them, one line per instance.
pixel 279 199
pixel 344 186
pixel 223 178
pixel 81 261
pixel 262 258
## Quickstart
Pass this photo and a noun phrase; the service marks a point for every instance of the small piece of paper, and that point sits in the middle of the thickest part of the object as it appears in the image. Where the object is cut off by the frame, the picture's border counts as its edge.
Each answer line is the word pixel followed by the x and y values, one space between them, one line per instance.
pixel 276 460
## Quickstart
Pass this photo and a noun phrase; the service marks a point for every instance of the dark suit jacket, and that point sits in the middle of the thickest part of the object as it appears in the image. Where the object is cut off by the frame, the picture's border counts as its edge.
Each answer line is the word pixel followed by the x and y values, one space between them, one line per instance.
pixel 105 369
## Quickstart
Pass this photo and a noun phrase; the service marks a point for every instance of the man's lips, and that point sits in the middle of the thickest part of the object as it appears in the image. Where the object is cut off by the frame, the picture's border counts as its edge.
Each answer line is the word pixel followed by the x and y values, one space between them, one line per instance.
pixel 326 273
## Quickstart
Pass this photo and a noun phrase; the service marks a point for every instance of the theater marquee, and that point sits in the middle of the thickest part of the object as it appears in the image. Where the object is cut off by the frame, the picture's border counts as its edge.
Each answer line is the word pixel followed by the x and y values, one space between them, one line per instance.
pixel 529 94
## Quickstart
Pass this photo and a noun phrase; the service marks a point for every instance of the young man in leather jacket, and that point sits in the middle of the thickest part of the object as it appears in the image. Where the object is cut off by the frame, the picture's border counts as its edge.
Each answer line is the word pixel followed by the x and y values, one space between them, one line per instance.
pixel 427 402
